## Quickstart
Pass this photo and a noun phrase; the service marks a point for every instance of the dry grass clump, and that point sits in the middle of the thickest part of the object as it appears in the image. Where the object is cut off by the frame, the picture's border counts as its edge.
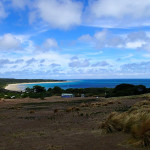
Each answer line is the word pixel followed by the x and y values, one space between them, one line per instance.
pixel 142 133
pixel 110 102
pixel 99 104
pixel 71 109
pixel 31 111
pixel 53 147
pixel 56 111
pixel 84 105
pixel 96 104
pixel 135 121
pixel 118 102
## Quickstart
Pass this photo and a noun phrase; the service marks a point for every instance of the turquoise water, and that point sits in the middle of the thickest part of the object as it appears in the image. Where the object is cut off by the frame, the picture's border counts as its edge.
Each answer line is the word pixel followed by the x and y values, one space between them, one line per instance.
pixel 91 83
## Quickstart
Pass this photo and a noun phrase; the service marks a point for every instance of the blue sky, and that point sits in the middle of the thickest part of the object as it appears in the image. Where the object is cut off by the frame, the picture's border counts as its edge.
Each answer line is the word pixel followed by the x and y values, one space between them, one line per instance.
pixel 74 39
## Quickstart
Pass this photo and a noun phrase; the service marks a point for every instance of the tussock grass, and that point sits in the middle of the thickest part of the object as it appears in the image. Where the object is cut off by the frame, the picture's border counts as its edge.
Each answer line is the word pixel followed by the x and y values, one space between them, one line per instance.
pixel 135 121
pixel 56 111
pixel 72 109
pixel 84 105
pixel 31 111
pixel 99 104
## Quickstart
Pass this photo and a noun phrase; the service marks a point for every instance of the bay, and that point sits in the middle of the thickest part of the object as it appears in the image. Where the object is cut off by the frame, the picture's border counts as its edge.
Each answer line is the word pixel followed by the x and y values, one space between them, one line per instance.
pixel 90 83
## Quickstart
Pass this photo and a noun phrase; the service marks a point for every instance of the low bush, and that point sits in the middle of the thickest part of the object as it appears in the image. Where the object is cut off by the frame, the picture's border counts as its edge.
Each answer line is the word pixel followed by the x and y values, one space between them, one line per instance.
pixel 126 90
pixel 40 92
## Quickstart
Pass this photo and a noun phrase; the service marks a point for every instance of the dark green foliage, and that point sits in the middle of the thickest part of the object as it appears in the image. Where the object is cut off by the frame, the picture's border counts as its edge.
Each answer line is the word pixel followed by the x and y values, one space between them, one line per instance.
pixel 28 90
pixel 57 90
pixel 49 90
pixel 24 95
pixel 88 91
pixel 9 94
pixel 40 92
pixel 36 92
pixel 37 95
pixel 123 87
pixel 38 89
pixel 32 92
pixel 140 89
pixel 127 89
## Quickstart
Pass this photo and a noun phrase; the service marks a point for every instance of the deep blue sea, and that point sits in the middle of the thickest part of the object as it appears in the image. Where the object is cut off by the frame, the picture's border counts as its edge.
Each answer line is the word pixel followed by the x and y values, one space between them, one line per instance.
pixel 88 83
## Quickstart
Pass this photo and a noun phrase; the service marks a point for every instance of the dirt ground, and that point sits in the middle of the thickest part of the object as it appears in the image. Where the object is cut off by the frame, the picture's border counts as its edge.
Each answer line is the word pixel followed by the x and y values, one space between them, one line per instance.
pixel 61 123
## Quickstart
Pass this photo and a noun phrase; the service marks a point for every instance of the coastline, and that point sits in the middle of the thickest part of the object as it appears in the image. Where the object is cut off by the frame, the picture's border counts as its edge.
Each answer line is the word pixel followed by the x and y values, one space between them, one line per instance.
pixel 18 88
pixel 13 87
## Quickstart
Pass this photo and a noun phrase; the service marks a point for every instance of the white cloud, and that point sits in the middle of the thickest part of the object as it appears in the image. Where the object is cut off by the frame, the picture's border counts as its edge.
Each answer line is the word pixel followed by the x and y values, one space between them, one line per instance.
pixel 135 45
pixel 98 39
pixel 64 14
pixel 50 43
pixel 32 17
pixel 118 13
pixel 79 63
pixel 146 46
pixel 20 3
pixel 85 38
pixel 106 39
pixel 3 13
pixel 33 62
pixel 102 39
pixel 100 63
pixel 59 13
pixel 101 35
pixel 146 55
pixel 140 67
pixel 9 42
pixel 128 56
pixel 141 35
pixel 120 8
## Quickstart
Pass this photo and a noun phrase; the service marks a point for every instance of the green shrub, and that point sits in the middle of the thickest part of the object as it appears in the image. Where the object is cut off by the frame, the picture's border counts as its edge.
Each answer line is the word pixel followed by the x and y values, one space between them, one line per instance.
pixel 56 90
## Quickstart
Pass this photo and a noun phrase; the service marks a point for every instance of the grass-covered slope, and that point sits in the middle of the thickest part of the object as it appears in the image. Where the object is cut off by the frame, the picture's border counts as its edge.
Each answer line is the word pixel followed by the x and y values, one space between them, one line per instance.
pixel 135 121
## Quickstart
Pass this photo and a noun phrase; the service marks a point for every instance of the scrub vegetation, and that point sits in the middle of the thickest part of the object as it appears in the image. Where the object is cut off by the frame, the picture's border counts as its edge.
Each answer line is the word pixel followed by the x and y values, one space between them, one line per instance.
pixel 40 92
pixel 119 90
pixel 135 121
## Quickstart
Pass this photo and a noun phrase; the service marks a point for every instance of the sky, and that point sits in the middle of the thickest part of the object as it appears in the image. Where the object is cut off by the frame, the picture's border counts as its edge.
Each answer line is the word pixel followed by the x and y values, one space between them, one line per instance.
pixel 75 39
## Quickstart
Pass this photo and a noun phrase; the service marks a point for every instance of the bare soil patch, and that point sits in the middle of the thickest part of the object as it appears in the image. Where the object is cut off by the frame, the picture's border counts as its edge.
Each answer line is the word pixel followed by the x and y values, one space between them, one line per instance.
pixel 61 124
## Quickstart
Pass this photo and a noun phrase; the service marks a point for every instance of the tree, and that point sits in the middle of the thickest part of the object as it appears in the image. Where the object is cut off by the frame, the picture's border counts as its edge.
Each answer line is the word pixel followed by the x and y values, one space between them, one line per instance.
pixel 140 89
pixel 28 90
pixel 121 87
pixel 39 89
pixel 49 90
pixel 57 90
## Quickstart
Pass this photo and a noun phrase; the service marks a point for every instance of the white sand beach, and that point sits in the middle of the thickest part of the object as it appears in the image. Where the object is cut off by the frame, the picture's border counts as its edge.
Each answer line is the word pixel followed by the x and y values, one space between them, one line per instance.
pixel 19 86
pixel 13 87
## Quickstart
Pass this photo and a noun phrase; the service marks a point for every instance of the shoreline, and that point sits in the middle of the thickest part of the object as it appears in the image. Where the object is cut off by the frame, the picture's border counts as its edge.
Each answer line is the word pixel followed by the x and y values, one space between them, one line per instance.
pixel 18 88
pixel 13 87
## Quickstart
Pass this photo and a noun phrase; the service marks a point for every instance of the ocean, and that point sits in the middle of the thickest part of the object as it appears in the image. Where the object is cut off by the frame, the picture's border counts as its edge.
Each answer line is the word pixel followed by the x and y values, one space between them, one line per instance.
pixel 90 83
